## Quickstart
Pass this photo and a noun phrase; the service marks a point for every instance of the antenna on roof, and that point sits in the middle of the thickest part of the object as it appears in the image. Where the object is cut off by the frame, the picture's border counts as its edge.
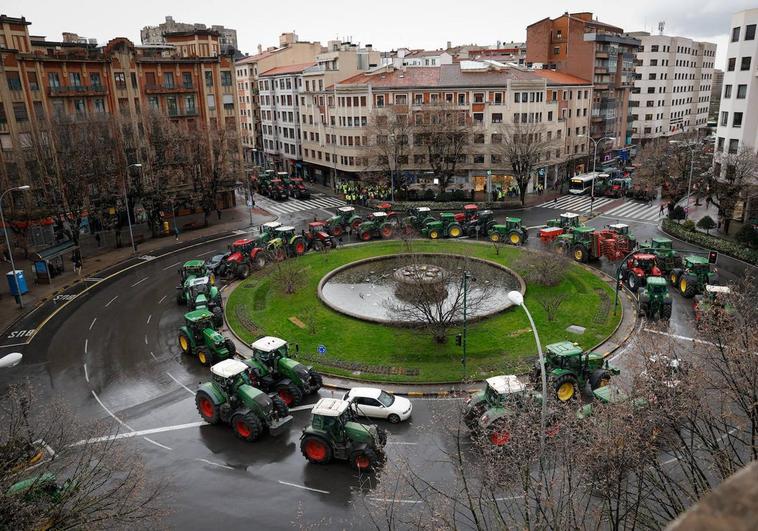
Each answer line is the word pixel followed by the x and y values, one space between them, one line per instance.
pixel 661 25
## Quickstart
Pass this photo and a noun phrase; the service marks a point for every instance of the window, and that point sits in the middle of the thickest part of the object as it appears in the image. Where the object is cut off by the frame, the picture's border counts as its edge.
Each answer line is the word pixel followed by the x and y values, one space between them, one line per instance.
pixel 730 64
pixel 721 143
pixel 400 99
pixel 53 80
pixel 33 83
pixel 478 118
pixel 735 34
pixel 209 79
pixel 734 144
pixel 226 78
pixel 737 119
pixel 187 79
pixel 19 111
pixel 750 32
pixel 461 99
pixel 653 62
pixel 727 91
pixel 478 159
pixel 556 50
pixel 497 138
pixel 497 117
pixel 654 48
pixel 498 98
pixel 651 76
pixel 168 79
pixel 741 92
pixel 99 105
pixel 479 139
pixel 724 118
pixel 419 159
pixel 80 106
pixel 478 97
pixel 745 63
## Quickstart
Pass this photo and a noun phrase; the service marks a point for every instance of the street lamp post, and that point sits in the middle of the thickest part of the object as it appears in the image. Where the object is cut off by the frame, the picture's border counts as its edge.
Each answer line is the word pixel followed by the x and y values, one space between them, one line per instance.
pixel 518 299
pixel 466 276
pixel 594 166
pixel 691 147
pixel 126 202
pixel 8 241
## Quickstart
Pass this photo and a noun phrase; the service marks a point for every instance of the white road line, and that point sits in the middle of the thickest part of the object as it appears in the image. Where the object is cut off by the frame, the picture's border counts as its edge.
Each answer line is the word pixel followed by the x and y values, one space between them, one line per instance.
pixel 145 339
pixel 148 318
pixel 303 487
pixel 158 444
pixel 153 355
pixel 398 443
pixel 139 282
pixel 111 301
pixel 685 338
pixel 172 265
pixel 301 408
pixel 209 252
pixel 390 500
pixel 140 433
pixel 86 343
pixel 162 299
pixel 190 391
pixel 215 464
pixel 110 412
pixel 86 376
pixel 93 323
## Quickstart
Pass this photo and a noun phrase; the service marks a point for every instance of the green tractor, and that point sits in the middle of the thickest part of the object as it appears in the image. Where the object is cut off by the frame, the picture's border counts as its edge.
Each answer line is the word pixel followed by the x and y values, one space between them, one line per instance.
pixel 200 294
pixel 694 275
pixel 276 372
pixel 446 227
pixel 610 394
pixel 512 232
pixel 345 217
pixel 334 433
pixel 266 233
pixel 665 255
pixel 579 243
pixel 567 221
pixel 654 299
pixel 192 269
pixel 198 337
pixel 286 243
pixel 618 187
pixel 625 238
pixel 231 398
pixel 42 487
pixel 569 369
pixel 714 307
pixel 417 219
pixel 377 225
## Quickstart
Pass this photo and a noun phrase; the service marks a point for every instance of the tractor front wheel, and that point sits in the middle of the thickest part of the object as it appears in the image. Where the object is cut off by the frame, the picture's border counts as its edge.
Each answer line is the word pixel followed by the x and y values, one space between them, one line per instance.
pixel 364 460
pixel 299 247
pixel 243 272
pixel 185 343
pixel 515 237
pixel 356 223
pixel 365 236
pixel 687 287
pixel 674 277
pixel 495 237
pixel 386 230
pixel 454 231
pixel 290 394
pixel 218 317
pixel 316 450
pixel 337 231
pixel 231 347
pixel 280 407
pixel 317 382
pixel 579 252
pixel 566 387
pixel 247 427
pixel 434 234
pixel 204 357
pixel 599 378
pixel 632 283
pixel 207 409
pixel 260 261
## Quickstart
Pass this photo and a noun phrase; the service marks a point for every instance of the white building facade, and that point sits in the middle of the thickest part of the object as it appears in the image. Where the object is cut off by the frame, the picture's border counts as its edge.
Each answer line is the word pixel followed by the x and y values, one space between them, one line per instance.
pixel 672 87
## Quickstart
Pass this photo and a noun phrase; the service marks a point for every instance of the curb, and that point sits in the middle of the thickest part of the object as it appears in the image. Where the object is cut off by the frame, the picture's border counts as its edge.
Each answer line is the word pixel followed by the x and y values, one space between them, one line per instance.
pixel 748 264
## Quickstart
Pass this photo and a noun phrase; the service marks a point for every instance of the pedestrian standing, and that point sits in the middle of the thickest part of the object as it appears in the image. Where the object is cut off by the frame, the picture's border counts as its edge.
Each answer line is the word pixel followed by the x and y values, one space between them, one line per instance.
pixel 97 238
pixel 176 232
pixel 218 213
pixel 77 259
pixel 660 212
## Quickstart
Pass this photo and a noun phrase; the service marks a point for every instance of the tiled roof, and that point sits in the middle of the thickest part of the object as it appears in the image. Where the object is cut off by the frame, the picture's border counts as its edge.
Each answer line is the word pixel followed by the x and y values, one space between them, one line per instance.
pixel 254 58
pixel 289 69
pixel 425 53
pixel 560 78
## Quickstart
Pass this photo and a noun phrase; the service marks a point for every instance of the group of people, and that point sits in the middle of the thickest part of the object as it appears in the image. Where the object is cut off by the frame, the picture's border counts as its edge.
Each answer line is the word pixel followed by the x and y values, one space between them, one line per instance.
pixel 358 193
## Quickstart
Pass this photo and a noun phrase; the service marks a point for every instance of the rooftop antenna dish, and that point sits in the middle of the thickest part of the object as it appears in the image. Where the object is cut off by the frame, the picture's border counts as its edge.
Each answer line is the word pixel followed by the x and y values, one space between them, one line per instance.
pixel 661 25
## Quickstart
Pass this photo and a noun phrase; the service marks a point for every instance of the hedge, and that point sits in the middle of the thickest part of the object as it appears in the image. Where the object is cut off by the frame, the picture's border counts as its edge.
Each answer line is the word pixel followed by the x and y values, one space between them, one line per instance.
pixel 449 205
pixel 715 243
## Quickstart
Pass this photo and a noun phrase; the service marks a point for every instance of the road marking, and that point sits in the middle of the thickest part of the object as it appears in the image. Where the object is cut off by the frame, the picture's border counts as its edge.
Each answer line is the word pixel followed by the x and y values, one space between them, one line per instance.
pixel 19 334
pixel 110 412
pixel 301 408
pixel 190 391
pixel 303 487
pixel 64 297
pixel 86 376
pixel 148 318
pixel 209 252
pixel 685 338
pixel 92 323
pixel 158 444
pixel 162 299
pixel 401 442
pixel 140 433
pixel 153 355
pixel 93 279
pixel 214 464
pixel 390 500
pixel 173 265
pixel 86 343
pixel 146 257
pixel 145 339
pixel 111 301
pixel 139 282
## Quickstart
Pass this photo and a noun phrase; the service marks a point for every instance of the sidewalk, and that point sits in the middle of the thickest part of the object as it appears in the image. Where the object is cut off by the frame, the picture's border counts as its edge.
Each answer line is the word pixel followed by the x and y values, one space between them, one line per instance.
pixel 698 212
pixel 95 259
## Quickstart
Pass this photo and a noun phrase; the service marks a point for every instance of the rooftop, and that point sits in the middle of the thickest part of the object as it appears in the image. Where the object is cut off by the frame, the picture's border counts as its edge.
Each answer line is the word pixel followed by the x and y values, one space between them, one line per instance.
pixel 268 343
pixel 330 407
pixel 228 368
pixel 506 384
pixel 290 69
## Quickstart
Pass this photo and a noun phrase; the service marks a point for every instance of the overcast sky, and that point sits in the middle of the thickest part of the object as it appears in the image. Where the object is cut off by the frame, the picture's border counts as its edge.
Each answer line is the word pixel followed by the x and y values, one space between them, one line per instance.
pixel 386 24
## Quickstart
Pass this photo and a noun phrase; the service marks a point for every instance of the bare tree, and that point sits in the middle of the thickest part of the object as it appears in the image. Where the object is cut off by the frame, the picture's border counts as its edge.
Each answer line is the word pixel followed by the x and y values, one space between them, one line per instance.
pixel 739 180
pixel 82 485
pixel 389 132
pixel 524 146
pixel 445 134
pixel 288 276
pixel 544 268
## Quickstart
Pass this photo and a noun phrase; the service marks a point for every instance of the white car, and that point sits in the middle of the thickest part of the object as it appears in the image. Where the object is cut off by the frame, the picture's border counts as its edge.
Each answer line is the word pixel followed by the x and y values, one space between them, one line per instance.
pixel 373 402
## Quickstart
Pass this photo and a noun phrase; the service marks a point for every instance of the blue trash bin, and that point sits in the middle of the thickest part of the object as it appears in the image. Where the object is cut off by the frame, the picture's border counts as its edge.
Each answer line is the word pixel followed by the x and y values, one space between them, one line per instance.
pixel 21 279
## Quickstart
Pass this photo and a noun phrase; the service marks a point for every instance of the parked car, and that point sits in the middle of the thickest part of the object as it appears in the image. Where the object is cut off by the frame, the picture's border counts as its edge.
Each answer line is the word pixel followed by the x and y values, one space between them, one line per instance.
pixel 375 403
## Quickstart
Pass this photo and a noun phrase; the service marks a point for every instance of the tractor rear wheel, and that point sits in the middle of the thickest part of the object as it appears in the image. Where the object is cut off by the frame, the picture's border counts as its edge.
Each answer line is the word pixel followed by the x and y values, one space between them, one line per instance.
pixel 218 316
pixel 337 231
pixel 204 357
pixel 243 272
pixel 566 387
pixel 472 232
pixel 579 252
pixel 299 247
pixel 317 382
pixel 356 223
pixel 260 261
pixel 495 237
pixel 632 283
pixel 185 343
pixel 599 378
pixel 231 347
pixel 386 231
pixel 207 409
pixel 180 297
pixel 318 245
pixel 514 237
pixel 499 434
pixel 666 311
pixel 364 460
pixel 643 308
pixel 674 277
pixel 454 231
pixel 280 407
pixel 316 450
pixel 290 394
pixel 365 235
pixel 434 234
pixel 687 287
pixel 247 427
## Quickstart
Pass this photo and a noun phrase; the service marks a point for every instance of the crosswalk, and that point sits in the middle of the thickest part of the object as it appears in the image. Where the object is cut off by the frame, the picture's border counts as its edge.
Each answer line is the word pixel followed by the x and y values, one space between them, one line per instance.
pixel 296 205
pixel 628 209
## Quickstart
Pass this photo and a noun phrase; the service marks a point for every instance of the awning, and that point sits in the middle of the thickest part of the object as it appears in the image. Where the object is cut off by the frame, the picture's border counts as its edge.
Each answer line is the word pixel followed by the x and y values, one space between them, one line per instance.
pixel 55 251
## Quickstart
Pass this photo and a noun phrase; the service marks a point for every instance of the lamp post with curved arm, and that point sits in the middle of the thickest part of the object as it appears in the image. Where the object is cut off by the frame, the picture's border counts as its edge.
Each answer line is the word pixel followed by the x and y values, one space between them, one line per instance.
pixel 691 147
pixel 126 202
pixel 8 241
pixel 594 166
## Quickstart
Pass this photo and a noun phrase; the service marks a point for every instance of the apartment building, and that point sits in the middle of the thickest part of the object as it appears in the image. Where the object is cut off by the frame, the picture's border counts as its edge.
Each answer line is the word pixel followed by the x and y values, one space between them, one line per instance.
pixel 290 51
pixel 186 79
pixel 672 86
pixel 579 45
pixel 716 86
pixel 227 37
pixel 421 58
pixel 486 95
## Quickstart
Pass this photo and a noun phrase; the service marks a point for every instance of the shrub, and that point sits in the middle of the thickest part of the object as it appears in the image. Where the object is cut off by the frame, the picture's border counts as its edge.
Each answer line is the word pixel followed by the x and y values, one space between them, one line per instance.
pixel 444 197
pixel 748 235
pixel 458 195
pixel 735 249
pixel 706 223
pixel 688 225
pixel 677 213
pixel 428 195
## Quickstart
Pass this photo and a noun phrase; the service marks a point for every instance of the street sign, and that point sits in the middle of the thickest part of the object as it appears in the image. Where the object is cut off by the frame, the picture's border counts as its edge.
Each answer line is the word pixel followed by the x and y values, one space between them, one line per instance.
pixel 713 256
pixel 489 172
pixel 321 349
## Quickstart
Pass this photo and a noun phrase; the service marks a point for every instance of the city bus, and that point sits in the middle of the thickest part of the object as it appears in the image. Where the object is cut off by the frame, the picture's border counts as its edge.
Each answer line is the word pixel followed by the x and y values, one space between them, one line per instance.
pixel 582 184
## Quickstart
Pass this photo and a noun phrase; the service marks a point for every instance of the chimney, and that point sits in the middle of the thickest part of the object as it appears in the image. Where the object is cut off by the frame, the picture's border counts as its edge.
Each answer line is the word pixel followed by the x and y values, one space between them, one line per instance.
pixel 449 45
pixel 260 49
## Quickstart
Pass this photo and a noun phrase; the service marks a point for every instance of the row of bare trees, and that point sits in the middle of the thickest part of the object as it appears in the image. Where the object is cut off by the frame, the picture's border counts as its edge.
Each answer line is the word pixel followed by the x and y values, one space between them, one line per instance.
pixel 444 135
pixel 676 432
pixel 79 165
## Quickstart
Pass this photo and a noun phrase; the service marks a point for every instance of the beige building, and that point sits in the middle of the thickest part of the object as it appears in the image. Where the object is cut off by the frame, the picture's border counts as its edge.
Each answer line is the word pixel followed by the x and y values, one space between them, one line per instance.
pixel 248 70
pixel 337 139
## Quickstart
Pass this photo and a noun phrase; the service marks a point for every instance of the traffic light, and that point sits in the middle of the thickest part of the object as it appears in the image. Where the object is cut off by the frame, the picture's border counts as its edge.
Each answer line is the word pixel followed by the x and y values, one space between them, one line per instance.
pixel 712 257
pixel 459 339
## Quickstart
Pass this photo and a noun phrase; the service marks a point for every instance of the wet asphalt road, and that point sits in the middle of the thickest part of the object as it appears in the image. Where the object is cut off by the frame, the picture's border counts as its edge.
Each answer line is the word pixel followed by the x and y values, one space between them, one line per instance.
pixel 112 352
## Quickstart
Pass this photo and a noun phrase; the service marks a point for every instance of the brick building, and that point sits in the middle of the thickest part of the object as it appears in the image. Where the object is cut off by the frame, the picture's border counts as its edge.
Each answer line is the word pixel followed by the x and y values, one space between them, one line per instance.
pixel 576 44
pixel 227 37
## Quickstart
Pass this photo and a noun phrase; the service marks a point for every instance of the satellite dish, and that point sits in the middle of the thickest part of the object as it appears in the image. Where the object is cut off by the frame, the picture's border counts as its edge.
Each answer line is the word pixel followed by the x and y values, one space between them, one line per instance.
pixel 10 360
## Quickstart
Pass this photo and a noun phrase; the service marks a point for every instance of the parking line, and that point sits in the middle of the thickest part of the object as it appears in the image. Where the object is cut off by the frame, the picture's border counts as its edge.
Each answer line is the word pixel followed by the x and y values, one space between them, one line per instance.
pixel 675 336
pixel 124 424
pixel 140 433
pixel 162 299
pixel 86 343
pixel 190 391
pixel 153 355
pixel 390 500
pixel 303 487
pixel 158 444
pixel 148 318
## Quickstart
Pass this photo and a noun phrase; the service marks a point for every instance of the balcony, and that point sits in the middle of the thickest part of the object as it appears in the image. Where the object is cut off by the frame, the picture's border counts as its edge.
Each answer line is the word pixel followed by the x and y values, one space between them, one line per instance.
pixel 77 90
pixel 167 88
pixel 182 114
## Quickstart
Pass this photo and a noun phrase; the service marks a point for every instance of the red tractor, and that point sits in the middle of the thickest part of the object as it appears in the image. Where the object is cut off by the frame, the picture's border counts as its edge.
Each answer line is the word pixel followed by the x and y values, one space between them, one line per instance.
pixel 243 257
pixel 392 216
pixel 317 237
pixel 297 189
pixel 470 213
pixel 637 268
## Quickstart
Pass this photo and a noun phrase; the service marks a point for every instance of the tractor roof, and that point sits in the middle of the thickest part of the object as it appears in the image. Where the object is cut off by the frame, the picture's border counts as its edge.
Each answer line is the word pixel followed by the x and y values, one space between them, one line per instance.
pixel 470 207
pixel 284 173
pixel 193 263
pixel 284 228
pixel 330 407
pixel 268 343
pixel 610 394
pixel 662 241
pixel 384 205
pixel 228 368
pixel 241 242
pixel 584 229
pixel 272 224
pixel 506 384
pixel 618 226
pixel 656 281
pixel 644 256
pixel 697 260
pixel 346 209
pixel 447 215
pixel 379 214
pixel 485 213
pixel 277 181
pixel 513 220
pixel 569 215
pixel 423 209
pixel 316 223
pixel 197 315
pixel 296 179
pixel 549 230
pixel 717 289
pixel 565 348
pixel 199 280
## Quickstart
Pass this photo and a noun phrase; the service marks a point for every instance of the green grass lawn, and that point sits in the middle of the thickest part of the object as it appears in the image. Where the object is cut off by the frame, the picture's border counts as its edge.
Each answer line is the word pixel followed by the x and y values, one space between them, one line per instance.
pixel 500 344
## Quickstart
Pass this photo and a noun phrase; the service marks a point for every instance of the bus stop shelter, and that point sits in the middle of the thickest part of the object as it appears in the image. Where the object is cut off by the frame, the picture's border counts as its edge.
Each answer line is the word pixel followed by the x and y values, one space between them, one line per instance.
pixel 51 262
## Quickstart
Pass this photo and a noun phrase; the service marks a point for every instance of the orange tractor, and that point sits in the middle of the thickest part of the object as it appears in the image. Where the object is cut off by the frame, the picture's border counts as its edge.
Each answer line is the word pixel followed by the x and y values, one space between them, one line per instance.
pixel 585 243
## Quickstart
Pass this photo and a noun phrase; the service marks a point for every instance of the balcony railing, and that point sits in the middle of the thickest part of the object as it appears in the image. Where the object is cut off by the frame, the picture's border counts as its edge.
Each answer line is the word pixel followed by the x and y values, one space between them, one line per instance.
pixel 162 88
pixel 182 114
pixel 77 90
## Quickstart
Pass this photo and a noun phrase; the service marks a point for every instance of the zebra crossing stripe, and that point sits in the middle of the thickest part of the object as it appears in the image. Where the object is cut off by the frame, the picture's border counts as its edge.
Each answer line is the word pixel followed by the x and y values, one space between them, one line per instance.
pixel 627 209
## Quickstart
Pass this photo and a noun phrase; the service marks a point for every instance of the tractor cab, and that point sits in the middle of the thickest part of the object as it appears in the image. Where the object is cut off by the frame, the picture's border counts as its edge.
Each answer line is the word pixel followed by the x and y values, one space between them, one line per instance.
pixel 285 232
pixel 200 321
pixel 499 388
pixel 646 262
pixel 657 286
pixel 267 229
pixel 242 246
pixel 570 356
pixel 485 216
pixel 470 213
pixel 199 290
pixel 697 264
pixel 230 374
pixel 619 228
pixel 316 227
pixel 662 246
pixel 269 349
pixel 512 223
pixel 447 218
pixel 283 175
pixel 578 235
pixel 193 268
pixel 387 207
pixel 346 212
pixel 419 212
pixel 377 217
pixel 567 221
